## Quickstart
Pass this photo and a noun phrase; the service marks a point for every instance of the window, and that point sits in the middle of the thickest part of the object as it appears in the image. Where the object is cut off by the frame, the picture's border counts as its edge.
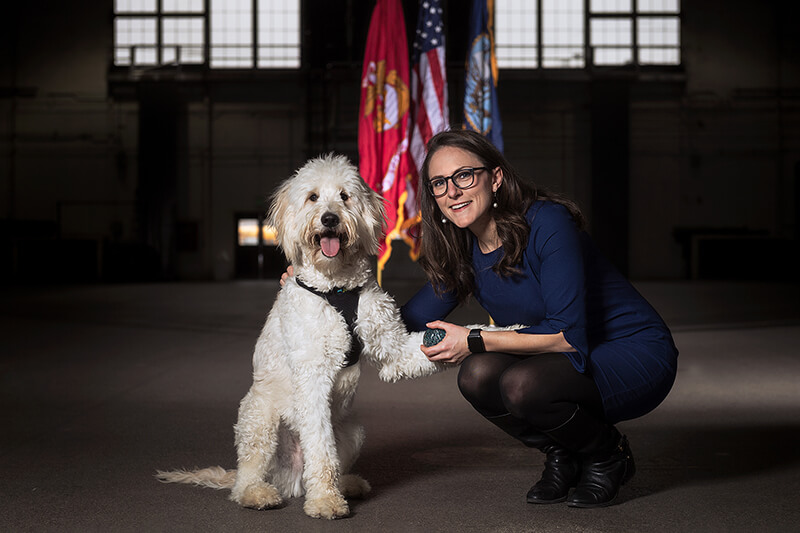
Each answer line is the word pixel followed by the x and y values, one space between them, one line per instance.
pixel 248 232
pixel 516 39
pixel 230 34
pixel 645 32
pixel 561 34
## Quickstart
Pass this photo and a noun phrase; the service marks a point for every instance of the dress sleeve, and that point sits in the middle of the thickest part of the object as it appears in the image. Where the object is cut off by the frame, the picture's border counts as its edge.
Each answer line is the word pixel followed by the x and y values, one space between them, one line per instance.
pixel 555 248
pixel 426 306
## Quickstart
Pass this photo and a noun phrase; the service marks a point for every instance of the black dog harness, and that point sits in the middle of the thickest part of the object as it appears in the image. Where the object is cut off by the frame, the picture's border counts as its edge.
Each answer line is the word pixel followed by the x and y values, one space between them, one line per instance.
pixel 346 302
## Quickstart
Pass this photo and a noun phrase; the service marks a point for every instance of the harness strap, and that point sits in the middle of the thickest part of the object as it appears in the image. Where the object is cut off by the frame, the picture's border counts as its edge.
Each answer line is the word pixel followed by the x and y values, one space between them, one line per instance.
pixel 346 303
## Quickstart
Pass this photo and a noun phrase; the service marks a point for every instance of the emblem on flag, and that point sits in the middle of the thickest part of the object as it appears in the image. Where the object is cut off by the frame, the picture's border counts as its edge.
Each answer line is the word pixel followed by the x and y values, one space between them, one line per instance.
pixel 387 96
pixel 478 94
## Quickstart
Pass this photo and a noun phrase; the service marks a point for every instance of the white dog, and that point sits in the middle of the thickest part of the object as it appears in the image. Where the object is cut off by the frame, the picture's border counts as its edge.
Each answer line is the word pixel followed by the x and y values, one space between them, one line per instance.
pixel 295 434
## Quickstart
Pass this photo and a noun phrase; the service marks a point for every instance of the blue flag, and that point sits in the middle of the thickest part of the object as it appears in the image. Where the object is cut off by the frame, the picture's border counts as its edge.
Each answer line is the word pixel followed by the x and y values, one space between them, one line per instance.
pixel 481 111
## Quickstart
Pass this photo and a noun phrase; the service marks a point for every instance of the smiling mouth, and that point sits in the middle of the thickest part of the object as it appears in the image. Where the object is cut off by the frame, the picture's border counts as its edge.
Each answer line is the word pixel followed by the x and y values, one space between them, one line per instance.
pixel 458 207
pixel 330 242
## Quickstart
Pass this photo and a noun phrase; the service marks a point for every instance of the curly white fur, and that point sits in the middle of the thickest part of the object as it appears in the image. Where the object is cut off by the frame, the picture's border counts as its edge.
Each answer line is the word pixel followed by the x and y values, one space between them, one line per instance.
pixel 295 434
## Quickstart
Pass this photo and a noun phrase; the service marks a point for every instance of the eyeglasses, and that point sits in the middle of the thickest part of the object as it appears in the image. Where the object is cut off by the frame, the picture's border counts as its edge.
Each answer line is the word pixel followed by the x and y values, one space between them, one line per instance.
pixel 463 178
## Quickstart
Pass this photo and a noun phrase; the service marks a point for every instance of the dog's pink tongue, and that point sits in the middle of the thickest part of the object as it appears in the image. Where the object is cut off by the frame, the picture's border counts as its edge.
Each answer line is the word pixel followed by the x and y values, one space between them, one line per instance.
pixel 330 246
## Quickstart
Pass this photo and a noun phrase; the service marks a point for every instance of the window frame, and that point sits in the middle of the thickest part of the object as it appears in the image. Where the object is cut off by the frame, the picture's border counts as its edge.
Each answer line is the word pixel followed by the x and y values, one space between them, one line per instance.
pixel 634 16
pixel 159 14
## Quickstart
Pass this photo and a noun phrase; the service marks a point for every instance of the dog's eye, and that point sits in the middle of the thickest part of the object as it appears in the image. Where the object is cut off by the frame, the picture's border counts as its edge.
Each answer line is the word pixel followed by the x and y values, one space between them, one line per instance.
pixel 313 197
pixel 344 196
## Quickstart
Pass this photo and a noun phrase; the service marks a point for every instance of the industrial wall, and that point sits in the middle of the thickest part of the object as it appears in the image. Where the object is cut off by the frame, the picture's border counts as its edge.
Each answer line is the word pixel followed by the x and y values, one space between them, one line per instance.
pixel 109 175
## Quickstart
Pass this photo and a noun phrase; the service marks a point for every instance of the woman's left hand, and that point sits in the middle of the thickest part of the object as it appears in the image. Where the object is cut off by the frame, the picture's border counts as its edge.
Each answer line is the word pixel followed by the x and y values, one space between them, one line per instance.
pixel 453 348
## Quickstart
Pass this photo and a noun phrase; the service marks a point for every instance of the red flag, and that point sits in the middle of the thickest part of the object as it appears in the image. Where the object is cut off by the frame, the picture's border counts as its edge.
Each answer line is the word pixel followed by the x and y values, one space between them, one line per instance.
pixel 384 118
pixel 429 110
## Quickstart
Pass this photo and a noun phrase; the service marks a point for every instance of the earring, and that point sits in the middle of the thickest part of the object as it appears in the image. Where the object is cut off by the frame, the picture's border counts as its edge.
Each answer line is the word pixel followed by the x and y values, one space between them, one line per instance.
pixel 444 220
pixel 495 200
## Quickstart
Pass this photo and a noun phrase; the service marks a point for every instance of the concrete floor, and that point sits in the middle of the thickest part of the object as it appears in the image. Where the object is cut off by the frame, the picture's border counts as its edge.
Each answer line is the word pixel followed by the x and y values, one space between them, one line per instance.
pixel 102 385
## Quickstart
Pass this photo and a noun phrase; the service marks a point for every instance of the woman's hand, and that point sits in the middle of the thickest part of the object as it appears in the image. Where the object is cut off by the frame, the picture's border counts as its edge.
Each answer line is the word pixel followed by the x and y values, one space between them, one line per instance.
pixel 286 275
pixel 453 348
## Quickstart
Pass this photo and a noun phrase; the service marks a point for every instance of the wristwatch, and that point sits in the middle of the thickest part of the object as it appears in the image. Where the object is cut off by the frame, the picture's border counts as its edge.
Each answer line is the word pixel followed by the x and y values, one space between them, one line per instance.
pixel 475 341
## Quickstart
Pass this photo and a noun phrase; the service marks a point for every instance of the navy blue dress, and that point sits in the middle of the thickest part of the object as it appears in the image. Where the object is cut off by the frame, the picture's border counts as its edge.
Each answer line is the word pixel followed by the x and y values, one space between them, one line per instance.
pixel 567 285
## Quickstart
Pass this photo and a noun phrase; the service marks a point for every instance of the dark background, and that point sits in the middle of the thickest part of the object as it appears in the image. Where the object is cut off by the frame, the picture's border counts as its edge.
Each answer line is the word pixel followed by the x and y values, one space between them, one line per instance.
pixel 107 174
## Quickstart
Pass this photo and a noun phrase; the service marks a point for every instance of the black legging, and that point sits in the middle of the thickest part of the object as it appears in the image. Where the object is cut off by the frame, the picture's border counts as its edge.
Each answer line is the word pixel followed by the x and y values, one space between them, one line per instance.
pixel 543 389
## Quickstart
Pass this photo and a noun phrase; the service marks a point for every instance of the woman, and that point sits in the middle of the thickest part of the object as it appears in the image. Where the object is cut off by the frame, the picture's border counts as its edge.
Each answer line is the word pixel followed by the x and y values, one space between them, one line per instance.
pixel 594 352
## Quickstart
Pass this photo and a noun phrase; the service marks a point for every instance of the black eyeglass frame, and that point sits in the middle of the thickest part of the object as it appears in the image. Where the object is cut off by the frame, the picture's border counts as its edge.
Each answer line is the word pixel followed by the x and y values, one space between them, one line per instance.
pixel 452 177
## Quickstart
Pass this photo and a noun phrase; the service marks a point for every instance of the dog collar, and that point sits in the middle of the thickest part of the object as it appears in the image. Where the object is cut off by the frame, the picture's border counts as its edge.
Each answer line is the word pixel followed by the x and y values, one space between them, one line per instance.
pixel 345 301
pixel 335 290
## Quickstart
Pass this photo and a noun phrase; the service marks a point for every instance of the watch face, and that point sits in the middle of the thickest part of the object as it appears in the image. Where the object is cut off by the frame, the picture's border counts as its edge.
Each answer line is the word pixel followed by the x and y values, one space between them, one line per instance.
pixel 475 341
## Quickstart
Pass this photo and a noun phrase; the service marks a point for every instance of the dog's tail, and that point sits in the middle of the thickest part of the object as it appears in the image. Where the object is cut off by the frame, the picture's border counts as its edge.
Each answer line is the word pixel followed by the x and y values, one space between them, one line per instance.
pixel 214 477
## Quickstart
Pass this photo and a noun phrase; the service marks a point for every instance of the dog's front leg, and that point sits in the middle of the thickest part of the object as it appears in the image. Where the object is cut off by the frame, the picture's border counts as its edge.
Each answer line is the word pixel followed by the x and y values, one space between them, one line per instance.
pixel 256 441
pixel 394 351
pixel 399 356
pixel 321 469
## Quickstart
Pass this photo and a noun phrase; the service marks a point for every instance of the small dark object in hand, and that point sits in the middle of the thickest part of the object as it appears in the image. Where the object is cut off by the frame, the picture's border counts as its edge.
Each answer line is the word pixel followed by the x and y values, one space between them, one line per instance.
pixel 433 336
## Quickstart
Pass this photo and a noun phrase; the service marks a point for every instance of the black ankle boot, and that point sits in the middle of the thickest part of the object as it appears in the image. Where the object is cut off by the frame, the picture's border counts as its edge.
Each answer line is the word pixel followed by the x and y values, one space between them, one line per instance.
pixel 560 467
pixel 606 461
pixel 602 474
pixel 561 471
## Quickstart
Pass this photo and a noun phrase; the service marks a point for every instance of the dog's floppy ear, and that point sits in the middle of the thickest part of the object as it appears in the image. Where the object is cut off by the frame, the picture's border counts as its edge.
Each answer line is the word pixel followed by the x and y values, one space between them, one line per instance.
pixel 375 216
pixel 278 216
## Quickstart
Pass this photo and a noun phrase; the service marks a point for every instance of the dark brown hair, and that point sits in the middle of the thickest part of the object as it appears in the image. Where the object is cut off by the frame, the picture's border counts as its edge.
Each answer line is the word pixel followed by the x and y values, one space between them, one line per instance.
pixel 446 249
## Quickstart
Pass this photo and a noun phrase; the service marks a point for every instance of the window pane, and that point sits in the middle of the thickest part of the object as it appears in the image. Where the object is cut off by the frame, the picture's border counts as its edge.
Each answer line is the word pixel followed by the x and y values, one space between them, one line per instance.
pixel 145 55
pixel 185 37
pixel 562 33
pixel 248 232
pixel 610 6
pixel 182 6
pixel 562 56
pixel 231 33
pixel 122 56
pixel 659 56
pixel 135 30
pixel 515 34
pixel 135 40
pixel 605 56
pixel 659 40
pixel 269 236
pixel 658 6
pixel 663 31
pixel 611 31
pixel 135 6
pixel 278 34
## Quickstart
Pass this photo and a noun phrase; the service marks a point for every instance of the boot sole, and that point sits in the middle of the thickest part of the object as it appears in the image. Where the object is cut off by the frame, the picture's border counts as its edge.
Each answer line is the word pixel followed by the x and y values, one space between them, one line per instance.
pixel 579 505
pixel 545 502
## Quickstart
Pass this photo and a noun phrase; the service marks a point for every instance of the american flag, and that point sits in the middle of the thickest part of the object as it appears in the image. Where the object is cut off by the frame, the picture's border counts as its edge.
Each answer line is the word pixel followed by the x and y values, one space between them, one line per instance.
pixel 428 79
pixel 429 110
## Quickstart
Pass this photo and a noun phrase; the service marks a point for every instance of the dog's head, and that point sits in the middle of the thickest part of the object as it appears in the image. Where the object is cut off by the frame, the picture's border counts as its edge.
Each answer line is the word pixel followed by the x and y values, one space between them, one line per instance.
pixel 326 213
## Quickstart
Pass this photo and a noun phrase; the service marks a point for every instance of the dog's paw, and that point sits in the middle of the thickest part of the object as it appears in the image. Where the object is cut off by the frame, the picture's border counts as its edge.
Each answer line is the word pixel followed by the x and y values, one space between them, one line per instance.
pixel 260 497
pixel 331 507
pixel 354 486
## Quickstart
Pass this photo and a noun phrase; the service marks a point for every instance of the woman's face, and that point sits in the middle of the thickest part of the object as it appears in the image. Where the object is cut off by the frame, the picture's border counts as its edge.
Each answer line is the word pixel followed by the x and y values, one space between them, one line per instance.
pixel 464 207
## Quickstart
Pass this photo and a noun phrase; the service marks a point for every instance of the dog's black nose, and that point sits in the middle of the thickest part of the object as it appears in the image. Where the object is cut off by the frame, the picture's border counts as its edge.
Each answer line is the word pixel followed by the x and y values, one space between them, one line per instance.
pixel 330 220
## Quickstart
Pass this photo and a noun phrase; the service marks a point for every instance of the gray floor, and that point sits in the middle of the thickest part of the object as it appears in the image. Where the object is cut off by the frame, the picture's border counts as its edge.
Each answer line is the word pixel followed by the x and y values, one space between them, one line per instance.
pixel 102 385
